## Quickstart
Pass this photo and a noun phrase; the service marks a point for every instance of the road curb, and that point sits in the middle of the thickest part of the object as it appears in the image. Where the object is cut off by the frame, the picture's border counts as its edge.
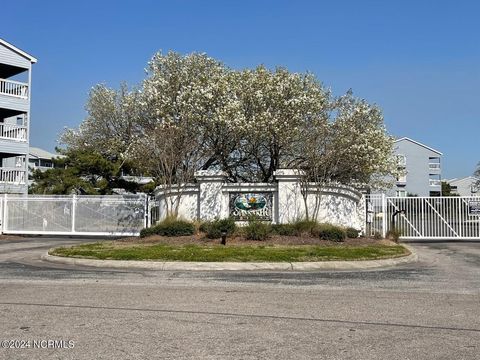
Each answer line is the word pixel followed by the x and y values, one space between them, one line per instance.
pixel 234 266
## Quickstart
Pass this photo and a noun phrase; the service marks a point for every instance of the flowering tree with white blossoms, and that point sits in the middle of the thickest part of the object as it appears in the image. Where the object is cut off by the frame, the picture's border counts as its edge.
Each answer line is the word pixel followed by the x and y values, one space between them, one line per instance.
pixel 351 147
pixel 363 148
pixel 477 175
pixel 186 104
pixel 111 123
pixel 275 105
pixel 193 113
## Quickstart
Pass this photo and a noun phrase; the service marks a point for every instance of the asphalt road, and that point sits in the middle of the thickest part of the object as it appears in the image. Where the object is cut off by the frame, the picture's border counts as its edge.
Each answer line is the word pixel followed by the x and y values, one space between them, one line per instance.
pixel 426 310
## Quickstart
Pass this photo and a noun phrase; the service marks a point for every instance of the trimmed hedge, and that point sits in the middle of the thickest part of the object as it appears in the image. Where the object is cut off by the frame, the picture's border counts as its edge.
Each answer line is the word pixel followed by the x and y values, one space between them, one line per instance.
pixel 294 229
pixel 352 233
pixel 257 230
pixel 304 226
pixel 284 229
pixel 329 232
pixel 213 229
pixel 170 227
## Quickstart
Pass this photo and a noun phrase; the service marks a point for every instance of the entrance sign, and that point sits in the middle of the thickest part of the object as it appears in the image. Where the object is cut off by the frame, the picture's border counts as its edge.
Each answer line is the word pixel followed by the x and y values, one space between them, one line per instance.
pixel 246 205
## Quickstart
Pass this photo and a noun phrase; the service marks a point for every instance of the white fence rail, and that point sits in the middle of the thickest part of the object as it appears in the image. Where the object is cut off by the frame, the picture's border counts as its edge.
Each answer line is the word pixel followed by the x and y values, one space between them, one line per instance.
pixel 424 217
pixel 375 217
pixel 74 215
pixel 13 88
pixel 12 176
pixel 13 132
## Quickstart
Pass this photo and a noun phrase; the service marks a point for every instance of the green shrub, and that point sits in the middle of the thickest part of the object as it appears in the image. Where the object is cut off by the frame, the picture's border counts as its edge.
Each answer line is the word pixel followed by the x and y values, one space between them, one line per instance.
pixel 213 229
pixel 294 229
pixel 170 227
pixel 203 226
pixel 329 232
pixel 284 229
pixel 304 226
pixel 257 230
pixel 147 232
pixel 352 233
pixel 394 234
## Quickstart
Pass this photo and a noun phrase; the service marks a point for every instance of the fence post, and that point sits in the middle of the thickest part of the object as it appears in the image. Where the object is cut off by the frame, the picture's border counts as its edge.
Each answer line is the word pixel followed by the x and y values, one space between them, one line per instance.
pixel 74 208
pixel 423 217
pixel 147 209
pixel 384 217
pixel 460 220
pixel 4 213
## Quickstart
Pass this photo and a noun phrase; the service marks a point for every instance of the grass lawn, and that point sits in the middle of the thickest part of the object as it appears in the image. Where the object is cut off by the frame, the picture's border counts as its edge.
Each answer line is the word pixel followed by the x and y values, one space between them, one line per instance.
pixel 237 253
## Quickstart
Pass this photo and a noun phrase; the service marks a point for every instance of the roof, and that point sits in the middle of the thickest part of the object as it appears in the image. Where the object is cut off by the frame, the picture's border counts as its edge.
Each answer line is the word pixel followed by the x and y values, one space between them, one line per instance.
pixel 18 51
pixel 419 143
pixel 38 153
pixel 465 179
pixel 141 180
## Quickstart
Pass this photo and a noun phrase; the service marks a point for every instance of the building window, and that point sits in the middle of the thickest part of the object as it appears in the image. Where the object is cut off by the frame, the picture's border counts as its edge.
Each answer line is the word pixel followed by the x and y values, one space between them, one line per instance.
pixel 434 163
pixel 46 163
pixel 401 193
pixel 453 189
pixel 434 180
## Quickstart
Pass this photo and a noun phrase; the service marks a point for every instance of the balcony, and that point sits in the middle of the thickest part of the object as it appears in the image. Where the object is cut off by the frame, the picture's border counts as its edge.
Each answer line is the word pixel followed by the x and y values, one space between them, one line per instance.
pixel 12 176
pixel 434 166
pixel 435 182
pixel 13 88
pixel 13 132
pixel 401 181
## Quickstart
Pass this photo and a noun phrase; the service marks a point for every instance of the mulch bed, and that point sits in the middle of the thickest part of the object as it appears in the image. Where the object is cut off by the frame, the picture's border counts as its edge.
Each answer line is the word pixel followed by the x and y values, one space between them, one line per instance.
pixel 273 240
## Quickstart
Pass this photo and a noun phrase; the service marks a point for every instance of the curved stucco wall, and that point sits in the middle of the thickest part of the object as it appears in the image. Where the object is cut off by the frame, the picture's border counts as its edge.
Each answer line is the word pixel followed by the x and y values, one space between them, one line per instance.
pixel 210 198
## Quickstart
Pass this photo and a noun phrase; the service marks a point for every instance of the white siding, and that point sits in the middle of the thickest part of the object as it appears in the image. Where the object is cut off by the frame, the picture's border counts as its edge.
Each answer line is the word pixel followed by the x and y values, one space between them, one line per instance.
pixel 14 103
pixel 9 148
pixel 10 57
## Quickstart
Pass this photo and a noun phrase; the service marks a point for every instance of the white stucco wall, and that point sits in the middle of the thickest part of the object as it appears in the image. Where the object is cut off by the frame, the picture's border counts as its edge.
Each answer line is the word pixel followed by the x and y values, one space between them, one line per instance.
pixel 209 198
pixel 188 207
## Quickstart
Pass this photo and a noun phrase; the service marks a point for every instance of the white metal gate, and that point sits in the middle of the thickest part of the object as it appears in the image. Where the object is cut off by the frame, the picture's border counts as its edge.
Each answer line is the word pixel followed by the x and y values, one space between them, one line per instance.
pixel 74 215
pixel 425 217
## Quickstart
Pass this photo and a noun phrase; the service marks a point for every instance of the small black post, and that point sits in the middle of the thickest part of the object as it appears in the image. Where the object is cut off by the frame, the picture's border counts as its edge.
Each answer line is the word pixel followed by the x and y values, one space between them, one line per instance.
pixel 394 215
pixel 224 237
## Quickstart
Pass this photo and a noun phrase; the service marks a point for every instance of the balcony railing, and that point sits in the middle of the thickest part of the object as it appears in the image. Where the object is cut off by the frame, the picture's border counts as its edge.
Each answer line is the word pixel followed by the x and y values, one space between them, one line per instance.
pixel 13 88
pixel 402 180
pixel 434 166
pixel 13 132
pixel 434 182
pixel 12 176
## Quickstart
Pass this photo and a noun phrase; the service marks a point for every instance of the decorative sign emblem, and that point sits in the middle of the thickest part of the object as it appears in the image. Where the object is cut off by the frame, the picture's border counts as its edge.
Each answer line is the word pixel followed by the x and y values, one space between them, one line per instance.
pixel 245 205
pixel 473 207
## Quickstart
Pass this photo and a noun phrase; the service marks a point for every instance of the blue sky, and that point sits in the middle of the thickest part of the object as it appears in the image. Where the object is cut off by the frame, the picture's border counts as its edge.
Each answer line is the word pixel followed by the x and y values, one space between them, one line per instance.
pixel 418 60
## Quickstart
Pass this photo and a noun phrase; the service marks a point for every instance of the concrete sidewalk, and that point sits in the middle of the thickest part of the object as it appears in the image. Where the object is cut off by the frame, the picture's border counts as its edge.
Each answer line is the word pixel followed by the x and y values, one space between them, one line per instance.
pixel 234 266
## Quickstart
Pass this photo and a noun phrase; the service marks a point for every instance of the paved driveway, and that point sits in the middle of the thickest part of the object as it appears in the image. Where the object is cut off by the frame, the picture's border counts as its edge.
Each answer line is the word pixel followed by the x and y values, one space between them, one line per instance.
pixel 426 310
